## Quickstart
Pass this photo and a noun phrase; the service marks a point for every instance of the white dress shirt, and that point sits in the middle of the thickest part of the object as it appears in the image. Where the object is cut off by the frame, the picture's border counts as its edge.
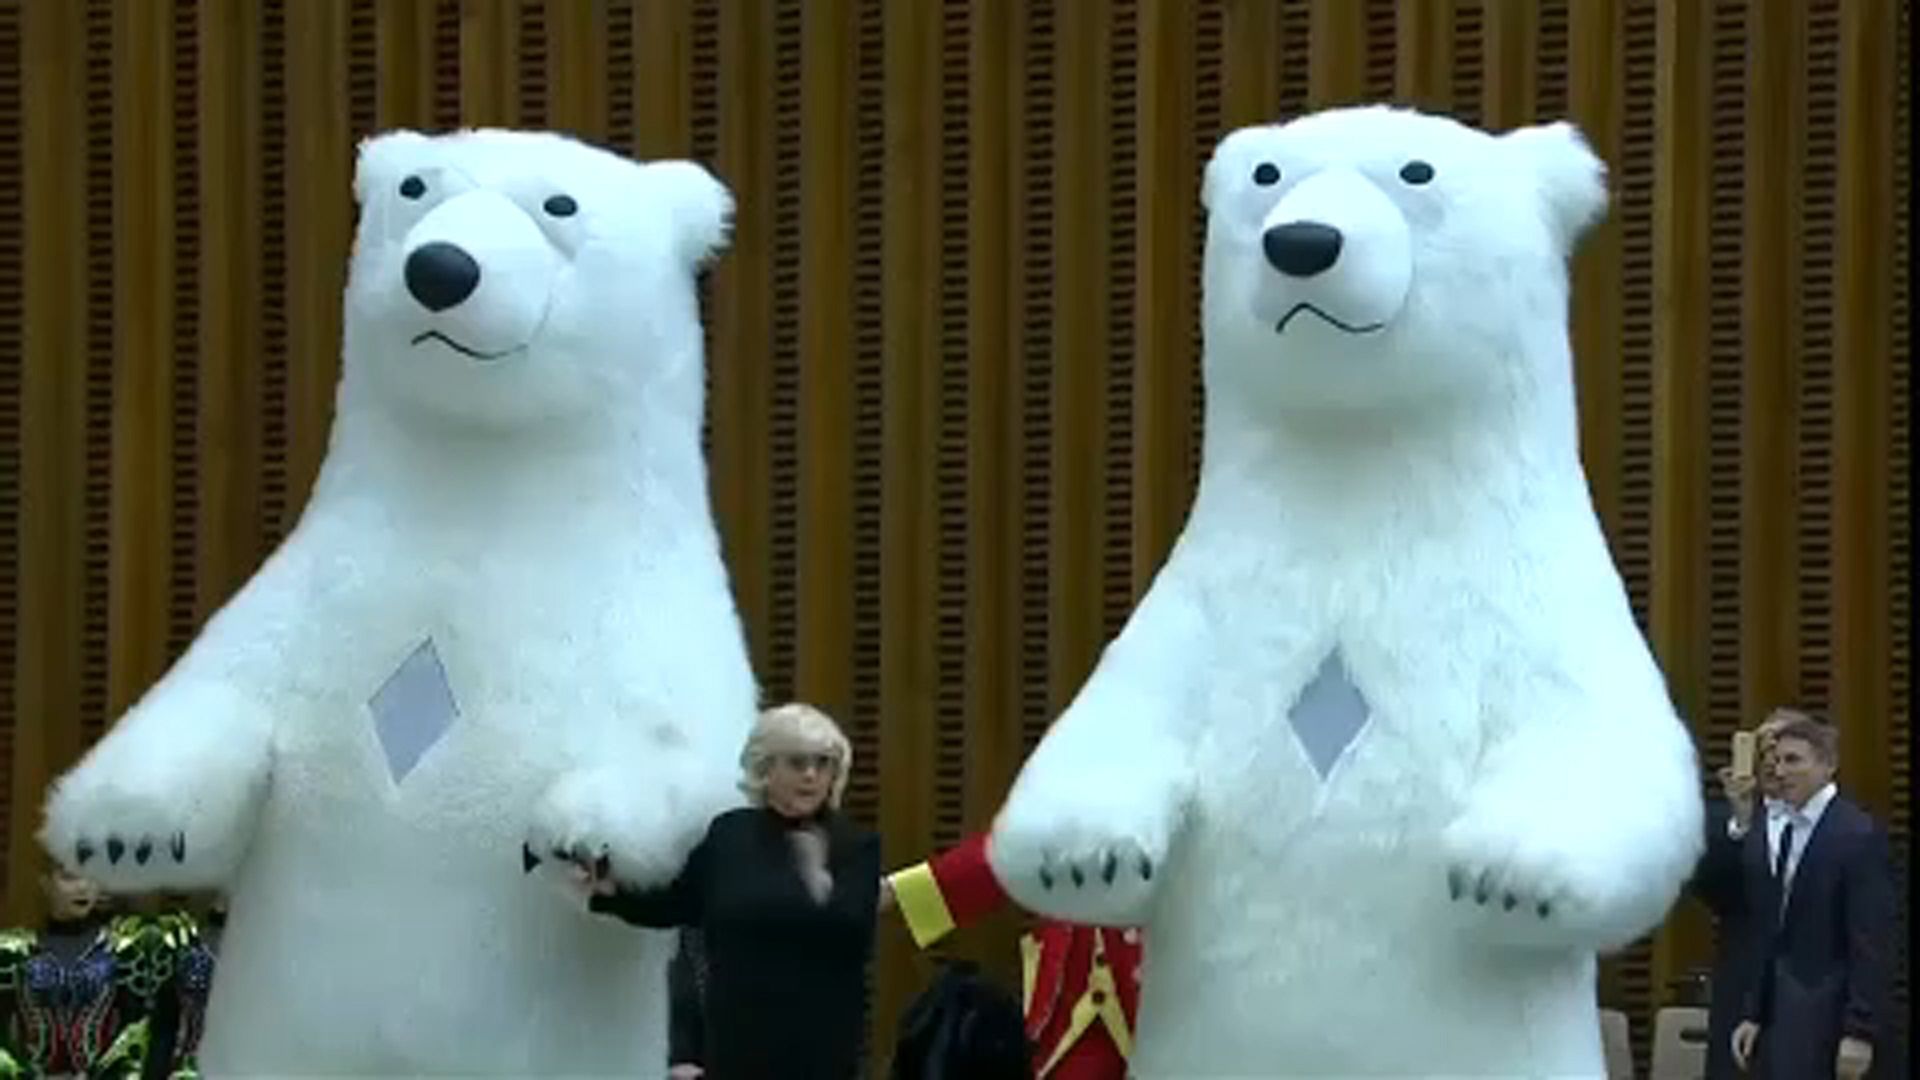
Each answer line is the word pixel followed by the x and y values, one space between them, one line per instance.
pixel 1804 819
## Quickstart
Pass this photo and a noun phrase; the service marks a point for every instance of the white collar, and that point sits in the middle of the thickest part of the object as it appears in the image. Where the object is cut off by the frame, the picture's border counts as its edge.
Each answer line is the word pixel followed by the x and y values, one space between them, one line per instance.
pixel 1812 809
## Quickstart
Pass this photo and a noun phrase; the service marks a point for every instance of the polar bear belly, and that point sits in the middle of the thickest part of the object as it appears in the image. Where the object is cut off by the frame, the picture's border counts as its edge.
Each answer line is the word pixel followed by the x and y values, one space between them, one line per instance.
pixel 385 925
pixel 1306 904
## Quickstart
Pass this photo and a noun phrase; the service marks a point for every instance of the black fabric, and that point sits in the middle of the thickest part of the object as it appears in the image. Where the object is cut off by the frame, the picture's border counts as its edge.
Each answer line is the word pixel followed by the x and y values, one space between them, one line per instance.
pixel 963 1027
pixel 786 976
pixel 686 1009
pixel 1719 883
pixel 1780 855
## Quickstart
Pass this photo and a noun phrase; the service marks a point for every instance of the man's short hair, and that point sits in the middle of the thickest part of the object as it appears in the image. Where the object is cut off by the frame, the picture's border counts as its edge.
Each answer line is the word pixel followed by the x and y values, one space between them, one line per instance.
pixel 1815 732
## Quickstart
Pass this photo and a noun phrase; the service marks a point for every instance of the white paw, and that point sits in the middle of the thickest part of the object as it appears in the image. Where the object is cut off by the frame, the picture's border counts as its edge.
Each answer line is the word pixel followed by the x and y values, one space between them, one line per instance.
pixel 1093 862
pixel 136 819
pixel 1519 879
pixel 600 826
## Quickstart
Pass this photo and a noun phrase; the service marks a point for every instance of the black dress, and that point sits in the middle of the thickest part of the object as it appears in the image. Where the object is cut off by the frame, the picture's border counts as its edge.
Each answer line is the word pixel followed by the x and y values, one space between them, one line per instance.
pixel 786 975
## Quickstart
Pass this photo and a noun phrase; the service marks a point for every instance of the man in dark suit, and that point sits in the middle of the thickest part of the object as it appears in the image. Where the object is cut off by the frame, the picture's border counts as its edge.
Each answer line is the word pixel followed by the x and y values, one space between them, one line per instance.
pixel 1720 883
pixel 1820 910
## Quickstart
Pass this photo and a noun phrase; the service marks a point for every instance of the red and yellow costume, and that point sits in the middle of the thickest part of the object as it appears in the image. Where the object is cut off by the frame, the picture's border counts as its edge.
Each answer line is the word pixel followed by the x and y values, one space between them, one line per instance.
pixel 1081 983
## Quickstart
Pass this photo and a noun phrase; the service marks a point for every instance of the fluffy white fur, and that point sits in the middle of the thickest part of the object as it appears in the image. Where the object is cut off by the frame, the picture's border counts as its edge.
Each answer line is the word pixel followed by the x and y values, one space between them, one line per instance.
pixel 543 517
pixel 1412 497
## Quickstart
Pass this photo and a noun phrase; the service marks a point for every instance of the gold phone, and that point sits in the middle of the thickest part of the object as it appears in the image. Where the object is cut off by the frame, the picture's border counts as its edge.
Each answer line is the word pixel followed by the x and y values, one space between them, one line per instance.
pixel 1743 746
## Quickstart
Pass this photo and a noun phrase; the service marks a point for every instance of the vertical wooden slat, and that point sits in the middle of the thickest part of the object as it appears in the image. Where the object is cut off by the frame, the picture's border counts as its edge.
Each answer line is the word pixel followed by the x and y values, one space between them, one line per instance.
pixel 825 624
pixel 1508 86
pixel 1594 91
pixel 319 226
pixel 1423 73
pixel 143 339
pixel 1118 433
pixel 47 732
pixel 577 68
pixel 1252 91
pixel 1336 72
pixel 995 447
pixel 1677 621
pixel 1863 382
pixel 663 79
pixel 13 257
pixel 1769 664
pixel 908 528
pixel 1164 305
pixel 229 534
pixel 405 43
pixel 742 314
pixel 488 33
pixel 1080 261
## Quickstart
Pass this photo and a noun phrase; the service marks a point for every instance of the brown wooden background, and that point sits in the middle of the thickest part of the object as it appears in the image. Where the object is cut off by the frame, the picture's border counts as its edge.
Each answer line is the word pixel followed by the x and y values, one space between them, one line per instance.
pixel 954 389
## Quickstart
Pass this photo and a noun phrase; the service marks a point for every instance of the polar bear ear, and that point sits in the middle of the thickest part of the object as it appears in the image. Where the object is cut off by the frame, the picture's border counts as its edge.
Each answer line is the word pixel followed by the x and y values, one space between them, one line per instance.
pixel 1571 179
pixel 699 205
pixel 382 160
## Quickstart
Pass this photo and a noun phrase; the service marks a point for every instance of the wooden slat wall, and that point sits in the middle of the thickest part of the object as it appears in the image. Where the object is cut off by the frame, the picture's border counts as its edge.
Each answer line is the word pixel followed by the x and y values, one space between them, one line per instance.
pixel 954 395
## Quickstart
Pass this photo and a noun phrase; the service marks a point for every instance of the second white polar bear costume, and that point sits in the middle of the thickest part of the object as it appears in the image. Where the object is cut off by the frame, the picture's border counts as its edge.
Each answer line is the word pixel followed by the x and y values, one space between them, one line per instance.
pixel 1381 760
pixel 502 620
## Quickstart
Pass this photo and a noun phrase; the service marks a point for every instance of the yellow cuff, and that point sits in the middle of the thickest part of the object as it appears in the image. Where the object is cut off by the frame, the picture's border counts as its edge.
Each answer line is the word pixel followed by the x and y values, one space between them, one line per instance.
pixel 922 904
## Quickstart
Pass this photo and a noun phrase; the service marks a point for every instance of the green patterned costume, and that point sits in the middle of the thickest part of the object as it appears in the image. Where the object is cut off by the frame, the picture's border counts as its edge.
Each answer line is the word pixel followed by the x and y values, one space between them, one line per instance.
pixel 102 1000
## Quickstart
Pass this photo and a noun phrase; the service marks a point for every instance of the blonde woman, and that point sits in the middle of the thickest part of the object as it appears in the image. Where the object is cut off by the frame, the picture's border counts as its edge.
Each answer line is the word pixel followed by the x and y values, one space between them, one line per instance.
pixel 784 892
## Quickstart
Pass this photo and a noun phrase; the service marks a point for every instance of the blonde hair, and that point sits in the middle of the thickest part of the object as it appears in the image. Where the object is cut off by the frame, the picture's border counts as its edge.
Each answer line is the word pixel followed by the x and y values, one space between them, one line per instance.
pixel 793 728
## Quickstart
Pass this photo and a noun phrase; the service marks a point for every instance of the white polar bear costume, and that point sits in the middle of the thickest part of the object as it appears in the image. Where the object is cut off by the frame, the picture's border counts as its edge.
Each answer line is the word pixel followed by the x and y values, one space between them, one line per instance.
pixel 502 621
pixel 1381 761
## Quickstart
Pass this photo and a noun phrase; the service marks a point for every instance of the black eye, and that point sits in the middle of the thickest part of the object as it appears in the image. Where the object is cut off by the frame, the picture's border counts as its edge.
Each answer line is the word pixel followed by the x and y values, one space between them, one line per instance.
pixel 1416 172
pixel 413 187
pixel 1266 174
pixel 561 205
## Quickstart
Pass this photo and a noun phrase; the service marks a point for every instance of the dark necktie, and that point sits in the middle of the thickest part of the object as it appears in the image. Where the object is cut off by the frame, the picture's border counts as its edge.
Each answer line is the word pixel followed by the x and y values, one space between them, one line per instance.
pixel 1780 864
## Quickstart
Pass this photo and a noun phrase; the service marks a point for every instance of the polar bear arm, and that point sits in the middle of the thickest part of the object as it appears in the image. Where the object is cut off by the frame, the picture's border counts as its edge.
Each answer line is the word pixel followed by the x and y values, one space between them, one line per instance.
pixel 180 777
pixel 1589 782
pixel 1134 712
pixel 1093 814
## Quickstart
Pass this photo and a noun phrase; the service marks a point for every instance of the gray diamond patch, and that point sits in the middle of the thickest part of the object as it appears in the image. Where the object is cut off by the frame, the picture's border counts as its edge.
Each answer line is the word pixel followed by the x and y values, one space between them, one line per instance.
pixel 1329 714
pixel 413 709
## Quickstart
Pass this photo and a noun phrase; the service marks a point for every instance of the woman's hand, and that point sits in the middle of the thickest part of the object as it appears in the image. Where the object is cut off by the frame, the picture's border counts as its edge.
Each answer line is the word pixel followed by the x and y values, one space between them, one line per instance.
pixel 887 903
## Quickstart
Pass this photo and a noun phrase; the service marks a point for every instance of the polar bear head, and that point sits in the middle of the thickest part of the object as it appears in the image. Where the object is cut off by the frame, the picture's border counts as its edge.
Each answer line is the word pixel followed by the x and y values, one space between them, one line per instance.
pixel 1379 258
pixel 508 278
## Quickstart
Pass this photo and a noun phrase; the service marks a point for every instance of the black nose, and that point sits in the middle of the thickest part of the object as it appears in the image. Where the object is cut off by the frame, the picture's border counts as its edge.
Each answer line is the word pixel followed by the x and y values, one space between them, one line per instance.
pixel 440 275
pixel 1302 248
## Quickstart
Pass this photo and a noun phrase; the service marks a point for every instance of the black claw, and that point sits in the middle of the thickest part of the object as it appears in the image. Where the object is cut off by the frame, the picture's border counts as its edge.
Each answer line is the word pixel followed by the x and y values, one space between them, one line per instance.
pixel 178 846
pixel 1078 878
pixel 1510 902
pixel 1046 879
pixel 1545 909
pixel 143 851
pixel 82 851
pixel 1112 868
pixel 1483 890
pixel 603 866
pixel 1146 869
pixel 115 849
pixel 561 854
pixel 528 860
pixel 1456 883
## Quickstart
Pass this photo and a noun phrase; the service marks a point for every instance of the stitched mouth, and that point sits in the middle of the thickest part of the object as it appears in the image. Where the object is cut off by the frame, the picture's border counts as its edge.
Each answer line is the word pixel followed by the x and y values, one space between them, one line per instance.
pixel 1281 327
pixel 435 335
